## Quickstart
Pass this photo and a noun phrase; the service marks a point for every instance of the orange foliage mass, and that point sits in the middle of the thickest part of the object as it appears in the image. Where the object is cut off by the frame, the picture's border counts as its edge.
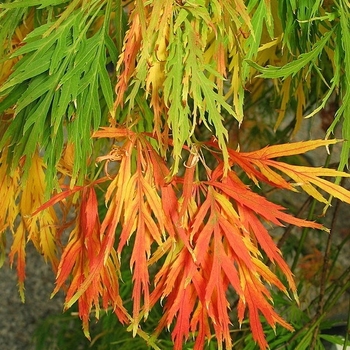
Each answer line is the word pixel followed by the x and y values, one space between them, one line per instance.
pixel 210 233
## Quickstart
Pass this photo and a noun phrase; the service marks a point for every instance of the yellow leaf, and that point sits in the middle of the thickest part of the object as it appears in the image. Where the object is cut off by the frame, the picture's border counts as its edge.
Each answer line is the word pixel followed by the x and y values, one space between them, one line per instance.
pixel 288 149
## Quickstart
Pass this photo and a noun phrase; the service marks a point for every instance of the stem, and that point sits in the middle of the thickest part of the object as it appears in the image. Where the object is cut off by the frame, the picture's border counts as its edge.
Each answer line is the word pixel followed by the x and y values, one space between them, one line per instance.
pixel 324 274
pixel 339 248
pixel 316 320
pixel 303 236
pixel 310 216
pixel 343 282
pixel 346 339
pixel 331 290
pixel 289 229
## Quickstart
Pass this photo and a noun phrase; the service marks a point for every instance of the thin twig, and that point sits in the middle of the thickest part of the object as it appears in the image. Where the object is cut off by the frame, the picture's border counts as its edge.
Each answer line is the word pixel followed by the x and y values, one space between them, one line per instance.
pixel 324 273
pixel 347 329
pixel 289 229
pixel 317 318
pixel 303 236
pixel 342 280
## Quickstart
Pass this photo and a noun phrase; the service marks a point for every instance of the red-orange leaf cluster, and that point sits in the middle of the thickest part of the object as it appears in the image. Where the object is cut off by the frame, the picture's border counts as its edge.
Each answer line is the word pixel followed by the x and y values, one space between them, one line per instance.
pixel 209 232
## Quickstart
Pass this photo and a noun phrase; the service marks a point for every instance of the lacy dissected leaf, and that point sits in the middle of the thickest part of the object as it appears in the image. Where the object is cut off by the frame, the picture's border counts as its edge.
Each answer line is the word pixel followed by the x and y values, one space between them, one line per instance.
pixel 127 59
pixel 42 228
pixel 178 57
pixel 18 251
pixel 224 222
pixel 134 203
pixel 342 63
pixel 305 177
pixel 209 235
pixel 261 16
pixel 179 283
pixel 142 205
pixel 9 209
pixel 29 196
pixel 292 68
pixel 198 236
pixel 61 78
pixel 157 30
pixel 80 256
pixel 12 34
pixel 255 301
pixel 27 3
pixel 196 283
pixel 191 79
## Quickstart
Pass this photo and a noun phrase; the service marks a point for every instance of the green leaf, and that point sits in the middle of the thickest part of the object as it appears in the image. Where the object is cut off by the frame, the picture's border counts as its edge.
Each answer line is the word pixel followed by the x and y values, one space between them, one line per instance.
pixel 344 109
pixel 180 18
pixel 111 48
pixel 29 3
pixel 178 111
pixel 63 98
pixel 10 20
pixel 253 42
pixel 14 94
pixel 39 116
pixel 62 76
pixel 38 87
pixel 22 72
pixel 292 68
pixel 105 81
pixel 54 146
pixel 35 41
pixel 62 44
pixel 334 339
pixel 86 54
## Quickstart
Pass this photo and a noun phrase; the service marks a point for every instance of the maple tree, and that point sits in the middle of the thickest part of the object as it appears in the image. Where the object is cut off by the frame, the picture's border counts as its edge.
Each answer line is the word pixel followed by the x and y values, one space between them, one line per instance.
pixel 134 106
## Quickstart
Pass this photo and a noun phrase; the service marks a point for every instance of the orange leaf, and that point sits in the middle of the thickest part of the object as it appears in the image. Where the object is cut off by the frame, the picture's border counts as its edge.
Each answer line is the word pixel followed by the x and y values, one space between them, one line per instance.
pixel 131 48
pixel 115 133
pixel 18 248
pixel 306 176
pixel 288 149
pixel 82 258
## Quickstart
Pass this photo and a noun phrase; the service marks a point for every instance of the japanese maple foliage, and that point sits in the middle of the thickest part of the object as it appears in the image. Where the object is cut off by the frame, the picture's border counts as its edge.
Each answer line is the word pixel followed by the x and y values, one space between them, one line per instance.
pixel 116 132
pixel 202 236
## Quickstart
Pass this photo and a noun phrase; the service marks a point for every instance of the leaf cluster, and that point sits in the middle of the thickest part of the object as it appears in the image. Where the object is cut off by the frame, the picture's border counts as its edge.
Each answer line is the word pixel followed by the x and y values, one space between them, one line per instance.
pixel 149 92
